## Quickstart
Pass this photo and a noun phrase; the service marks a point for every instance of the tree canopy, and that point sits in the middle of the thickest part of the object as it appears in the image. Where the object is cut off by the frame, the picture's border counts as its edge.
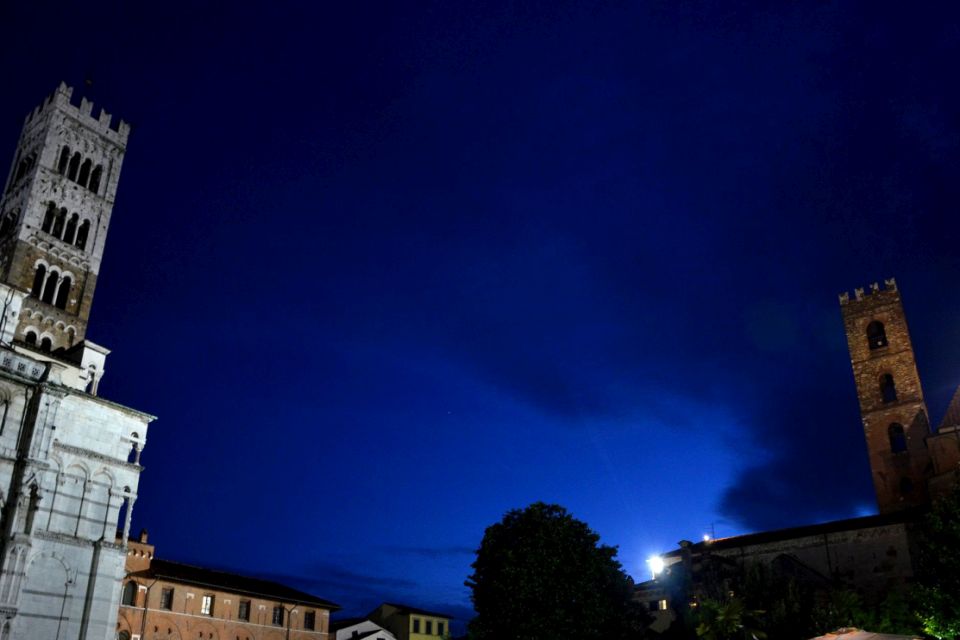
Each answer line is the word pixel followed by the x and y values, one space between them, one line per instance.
pixel 542 574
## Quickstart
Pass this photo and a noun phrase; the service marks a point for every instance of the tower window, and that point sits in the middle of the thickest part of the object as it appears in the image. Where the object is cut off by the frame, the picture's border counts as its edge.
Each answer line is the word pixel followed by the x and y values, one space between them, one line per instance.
pixel 906 486
pixel 59 222
pixel 74 167
pixel 30 338
pixel 71 232
pixel 49 217
pixel 84 172
pixel 876 335
pixel 38 279
pixel 206 605
pixel 63 292
pixel 50 288
pixel 95 179
pixel 64 161
pixel 46 345
pixel 82 234
pixel 898 440
pixel 888 390
pixel 277 618
pixel 310 620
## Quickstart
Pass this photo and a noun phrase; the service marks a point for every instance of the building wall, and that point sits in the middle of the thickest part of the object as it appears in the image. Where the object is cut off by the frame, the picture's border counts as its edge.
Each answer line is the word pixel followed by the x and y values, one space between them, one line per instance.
pixel 403 623
pixel 146 619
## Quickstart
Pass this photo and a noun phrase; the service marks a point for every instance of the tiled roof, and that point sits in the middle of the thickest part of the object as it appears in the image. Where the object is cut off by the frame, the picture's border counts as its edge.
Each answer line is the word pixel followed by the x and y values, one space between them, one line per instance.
pixel 952 419
pixel 420 612
pixel 850 524
pixel 221 580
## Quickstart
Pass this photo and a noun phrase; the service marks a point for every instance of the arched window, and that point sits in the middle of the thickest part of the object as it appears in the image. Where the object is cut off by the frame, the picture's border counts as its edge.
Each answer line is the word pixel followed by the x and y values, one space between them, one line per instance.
pixel 8 221
pixel 123 635
pixel 71 232
pixel 84 172
pixel 95 179
pixel 30 338
pixel 50 288
pixel 82 234
pixel 906 486
pixel 888 390
pixel 38 279
pixel 46 345
pixel 74 167
pixel 63 292
pixel 876 335
pixel 49 217
pixel 898 440
pixel 59 222
pixel 129 597
pixel 64 161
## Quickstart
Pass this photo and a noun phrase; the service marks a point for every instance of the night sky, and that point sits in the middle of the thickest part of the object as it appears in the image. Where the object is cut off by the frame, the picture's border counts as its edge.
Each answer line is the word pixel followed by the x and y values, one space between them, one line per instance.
pixel 385 271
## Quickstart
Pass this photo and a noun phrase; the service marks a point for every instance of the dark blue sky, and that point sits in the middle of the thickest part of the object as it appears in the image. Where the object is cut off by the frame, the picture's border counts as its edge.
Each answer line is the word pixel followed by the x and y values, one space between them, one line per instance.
pixel 386 271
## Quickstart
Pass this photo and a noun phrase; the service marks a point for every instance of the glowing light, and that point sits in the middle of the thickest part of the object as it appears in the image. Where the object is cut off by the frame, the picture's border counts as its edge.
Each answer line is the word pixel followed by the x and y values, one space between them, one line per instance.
pixel 706 537
pixel 656 565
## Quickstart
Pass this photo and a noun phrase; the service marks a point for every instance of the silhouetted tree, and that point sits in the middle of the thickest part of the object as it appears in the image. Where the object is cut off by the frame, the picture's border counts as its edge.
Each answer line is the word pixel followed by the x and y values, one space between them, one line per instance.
pixel 938 568
pixel 541 574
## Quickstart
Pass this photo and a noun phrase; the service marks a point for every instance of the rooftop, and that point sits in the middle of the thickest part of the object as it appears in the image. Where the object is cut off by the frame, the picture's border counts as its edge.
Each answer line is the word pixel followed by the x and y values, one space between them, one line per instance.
pixel 221 580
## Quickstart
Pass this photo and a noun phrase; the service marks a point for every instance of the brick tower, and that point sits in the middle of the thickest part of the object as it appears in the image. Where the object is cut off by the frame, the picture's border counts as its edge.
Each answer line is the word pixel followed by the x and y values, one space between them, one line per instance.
pixel 894 413
pixel 54 216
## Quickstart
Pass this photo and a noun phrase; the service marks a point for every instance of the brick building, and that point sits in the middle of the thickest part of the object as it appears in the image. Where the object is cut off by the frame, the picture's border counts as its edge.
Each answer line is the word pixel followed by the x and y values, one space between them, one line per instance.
pixel 69 460
pixel 909 465
pixel 164 600
pixel 908 461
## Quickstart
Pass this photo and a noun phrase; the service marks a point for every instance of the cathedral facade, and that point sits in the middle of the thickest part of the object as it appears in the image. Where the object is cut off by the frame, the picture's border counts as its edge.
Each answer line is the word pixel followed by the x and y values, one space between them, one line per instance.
pixel 69 460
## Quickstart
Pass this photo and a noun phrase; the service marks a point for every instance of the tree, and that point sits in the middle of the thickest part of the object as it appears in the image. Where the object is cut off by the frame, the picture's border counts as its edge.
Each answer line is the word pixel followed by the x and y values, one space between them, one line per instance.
pixel 542 574
pixel 938 568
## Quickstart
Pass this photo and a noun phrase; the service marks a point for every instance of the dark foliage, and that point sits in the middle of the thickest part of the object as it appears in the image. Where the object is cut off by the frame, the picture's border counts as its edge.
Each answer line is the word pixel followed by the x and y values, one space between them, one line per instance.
pixel 938 568
pixel 542 574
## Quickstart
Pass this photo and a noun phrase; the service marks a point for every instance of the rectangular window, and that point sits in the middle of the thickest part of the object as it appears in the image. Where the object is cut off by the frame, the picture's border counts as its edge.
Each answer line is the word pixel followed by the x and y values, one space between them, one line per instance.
pixel 166 599
pixel 243 613
pixel 663 605
pixel 429 625
pixel 416 625
pixel 206 606
pixel 310 620
pixel 439 628
pixel 278 615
